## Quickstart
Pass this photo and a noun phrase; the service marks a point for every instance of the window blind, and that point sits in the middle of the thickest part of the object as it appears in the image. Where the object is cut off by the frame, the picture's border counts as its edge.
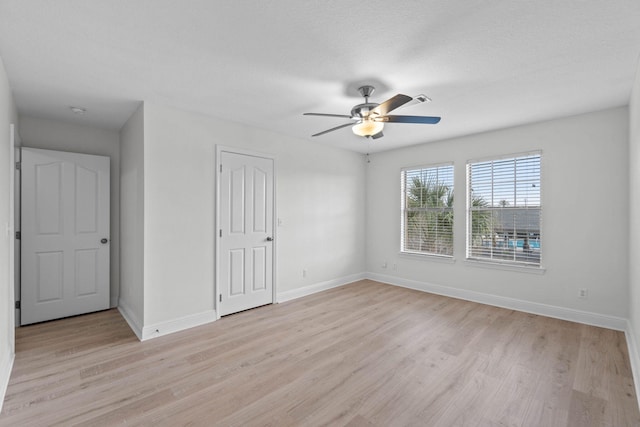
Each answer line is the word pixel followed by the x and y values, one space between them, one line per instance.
pixel 427 210
pixel 504 210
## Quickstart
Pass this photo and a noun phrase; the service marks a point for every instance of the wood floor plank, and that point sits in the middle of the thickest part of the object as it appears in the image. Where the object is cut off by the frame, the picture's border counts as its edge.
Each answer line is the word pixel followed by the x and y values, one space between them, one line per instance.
pixel 365 354
pixel 514 396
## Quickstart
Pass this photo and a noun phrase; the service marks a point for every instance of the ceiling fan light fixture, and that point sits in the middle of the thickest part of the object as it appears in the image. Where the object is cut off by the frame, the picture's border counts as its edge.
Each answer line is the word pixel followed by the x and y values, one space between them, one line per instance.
pixel 367 128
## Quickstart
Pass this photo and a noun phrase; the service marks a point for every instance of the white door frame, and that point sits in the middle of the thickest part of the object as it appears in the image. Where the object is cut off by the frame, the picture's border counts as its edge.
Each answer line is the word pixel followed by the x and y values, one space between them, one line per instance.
pixel 216 231
pixel 11 228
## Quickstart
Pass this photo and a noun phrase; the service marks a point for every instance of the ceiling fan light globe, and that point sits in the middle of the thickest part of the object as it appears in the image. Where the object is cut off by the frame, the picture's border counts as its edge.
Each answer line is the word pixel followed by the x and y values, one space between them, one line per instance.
pixel 367 128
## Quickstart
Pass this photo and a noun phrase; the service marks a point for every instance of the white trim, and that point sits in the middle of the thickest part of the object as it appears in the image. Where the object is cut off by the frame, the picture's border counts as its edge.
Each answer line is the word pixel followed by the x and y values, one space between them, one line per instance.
pixel 5 375
pixel 236 150
pixel 131 319
pixel 496 265
pixel 423 256
pixel 427 166
pixel 180 324
pixel 506 156
pixel 216 235
pixel 11 233
pixel 216 227
pixel 579 316
pixel 634 357
pixel 319 287
pixel 274 232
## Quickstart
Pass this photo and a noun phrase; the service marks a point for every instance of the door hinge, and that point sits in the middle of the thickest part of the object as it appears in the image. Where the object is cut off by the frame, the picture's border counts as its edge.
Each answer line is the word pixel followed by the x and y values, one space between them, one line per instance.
pixel 220 297
pixel 18 166
pixel 18 235
pixel 221 232
pixel 17 304
pixel 220 167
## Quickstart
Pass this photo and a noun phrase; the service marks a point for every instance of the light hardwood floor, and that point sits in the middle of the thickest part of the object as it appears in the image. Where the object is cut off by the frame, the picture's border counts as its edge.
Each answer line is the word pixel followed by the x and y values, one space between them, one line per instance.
pixel 365 354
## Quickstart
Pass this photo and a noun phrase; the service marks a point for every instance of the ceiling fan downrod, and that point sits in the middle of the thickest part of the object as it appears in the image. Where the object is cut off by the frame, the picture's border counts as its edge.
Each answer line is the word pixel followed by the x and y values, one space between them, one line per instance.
pixel 366 91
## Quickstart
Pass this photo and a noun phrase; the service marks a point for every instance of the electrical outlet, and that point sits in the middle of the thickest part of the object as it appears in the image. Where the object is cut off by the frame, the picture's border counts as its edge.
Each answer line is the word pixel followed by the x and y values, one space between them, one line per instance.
pixel 395 267
pixel 384 264
pixel 304 273
pixel 583 293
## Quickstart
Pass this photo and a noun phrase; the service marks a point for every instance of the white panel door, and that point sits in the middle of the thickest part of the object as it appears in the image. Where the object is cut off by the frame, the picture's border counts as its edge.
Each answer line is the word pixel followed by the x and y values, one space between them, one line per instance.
pixel 65 234
pixel 246 232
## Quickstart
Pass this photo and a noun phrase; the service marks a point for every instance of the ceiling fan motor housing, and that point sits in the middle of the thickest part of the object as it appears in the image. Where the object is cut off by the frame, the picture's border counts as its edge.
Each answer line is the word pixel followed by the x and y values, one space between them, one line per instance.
pixel 362 110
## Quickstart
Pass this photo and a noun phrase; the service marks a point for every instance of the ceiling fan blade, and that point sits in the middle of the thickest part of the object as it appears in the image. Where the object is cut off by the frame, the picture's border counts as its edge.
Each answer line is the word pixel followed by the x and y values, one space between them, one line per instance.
pixel 391 104
pixel 345 116
pixel 332 129
pixel 377 135
pixel 418 99
pixel 408 119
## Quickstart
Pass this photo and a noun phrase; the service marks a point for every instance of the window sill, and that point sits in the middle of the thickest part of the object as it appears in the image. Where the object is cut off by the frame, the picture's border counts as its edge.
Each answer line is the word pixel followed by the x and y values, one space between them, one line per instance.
pixel 532 269
pixel 428 257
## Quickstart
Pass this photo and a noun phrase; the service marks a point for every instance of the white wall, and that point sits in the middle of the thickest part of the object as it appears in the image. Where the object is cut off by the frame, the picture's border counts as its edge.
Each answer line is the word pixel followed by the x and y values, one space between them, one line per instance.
pixel 633 335
pixel 61 136
pixel 8 116
pixel 131 300
pixel 319 197
pixel 584 220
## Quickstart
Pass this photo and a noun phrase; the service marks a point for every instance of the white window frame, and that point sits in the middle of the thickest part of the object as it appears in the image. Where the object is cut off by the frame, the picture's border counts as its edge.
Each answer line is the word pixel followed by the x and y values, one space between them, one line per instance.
pixel 498 261
pixel 403 210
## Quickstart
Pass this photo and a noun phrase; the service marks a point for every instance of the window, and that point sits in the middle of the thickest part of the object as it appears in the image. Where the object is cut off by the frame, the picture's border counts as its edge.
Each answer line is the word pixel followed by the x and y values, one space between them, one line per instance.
pixel 504 210
pixel 427 210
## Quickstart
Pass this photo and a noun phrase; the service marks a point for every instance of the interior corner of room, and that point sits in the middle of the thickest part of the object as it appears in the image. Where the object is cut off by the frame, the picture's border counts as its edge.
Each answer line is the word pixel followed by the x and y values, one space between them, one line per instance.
pixel 181 186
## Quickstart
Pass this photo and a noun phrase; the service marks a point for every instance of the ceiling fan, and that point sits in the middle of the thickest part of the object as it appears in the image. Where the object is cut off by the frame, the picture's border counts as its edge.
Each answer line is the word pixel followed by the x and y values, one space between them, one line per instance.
pixel 371 117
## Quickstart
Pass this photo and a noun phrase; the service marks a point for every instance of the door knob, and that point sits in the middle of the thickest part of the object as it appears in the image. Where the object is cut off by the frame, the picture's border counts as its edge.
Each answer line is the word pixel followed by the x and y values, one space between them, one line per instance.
pixel 269 239
pixel 104 241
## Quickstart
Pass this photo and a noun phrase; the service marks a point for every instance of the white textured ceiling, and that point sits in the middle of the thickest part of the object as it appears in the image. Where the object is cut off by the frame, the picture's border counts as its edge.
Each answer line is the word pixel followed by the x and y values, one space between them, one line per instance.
pixel 486 63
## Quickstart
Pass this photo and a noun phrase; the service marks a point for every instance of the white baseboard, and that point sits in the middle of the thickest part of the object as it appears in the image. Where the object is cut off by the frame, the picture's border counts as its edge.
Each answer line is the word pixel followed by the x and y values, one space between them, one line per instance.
pixel 318 287
pixel 588 318
pixel 634 357
pixel 5 375
pixel 134 323
pixel 168 327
